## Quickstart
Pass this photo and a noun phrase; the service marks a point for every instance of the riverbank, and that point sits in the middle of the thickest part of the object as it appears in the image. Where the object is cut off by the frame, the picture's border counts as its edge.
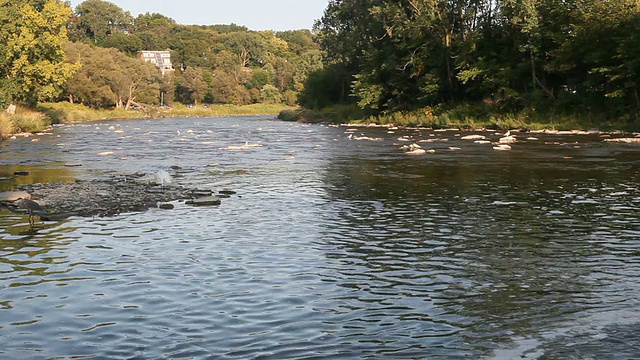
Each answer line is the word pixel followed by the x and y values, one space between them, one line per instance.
pixel 466 117
pixel 28 121
pixel 67 113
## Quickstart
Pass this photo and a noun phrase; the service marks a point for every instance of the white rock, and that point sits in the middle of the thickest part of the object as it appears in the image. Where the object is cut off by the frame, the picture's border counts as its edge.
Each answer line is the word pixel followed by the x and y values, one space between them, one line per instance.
pixel 507 140
pixel 502 147
pixel 473 137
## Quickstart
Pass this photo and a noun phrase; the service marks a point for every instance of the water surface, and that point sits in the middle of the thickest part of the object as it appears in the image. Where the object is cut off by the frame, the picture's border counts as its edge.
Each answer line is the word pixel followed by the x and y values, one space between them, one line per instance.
pixel 332 247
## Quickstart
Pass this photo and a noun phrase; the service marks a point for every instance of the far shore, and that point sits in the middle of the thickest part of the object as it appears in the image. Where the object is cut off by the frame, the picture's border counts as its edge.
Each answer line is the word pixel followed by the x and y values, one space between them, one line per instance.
pixel 46 114
pixel 456 117
pixel 33 121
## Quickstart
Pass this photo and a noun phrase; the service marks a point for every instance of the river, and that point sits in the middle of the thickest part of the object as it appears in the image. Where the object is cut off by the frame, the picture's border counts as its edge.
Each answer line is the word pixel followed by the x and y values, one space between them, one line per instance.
pixel 331 248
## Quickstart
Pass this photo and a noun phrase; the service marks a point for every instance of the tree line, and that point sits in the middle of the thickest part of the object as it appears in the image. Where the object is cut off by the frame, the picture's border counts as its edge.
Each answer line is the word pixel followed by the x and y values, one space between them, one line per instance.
pixel 88 55
pixel 568 56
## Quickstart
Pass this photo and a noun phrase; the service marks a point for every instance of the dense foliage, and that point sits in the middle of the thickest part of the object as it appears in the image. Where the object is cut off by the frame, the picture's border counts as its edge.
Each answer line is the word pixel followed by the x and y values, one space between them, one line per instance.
pixel 223 64
pixel 31 36
pixel 89 55
pixel 575 56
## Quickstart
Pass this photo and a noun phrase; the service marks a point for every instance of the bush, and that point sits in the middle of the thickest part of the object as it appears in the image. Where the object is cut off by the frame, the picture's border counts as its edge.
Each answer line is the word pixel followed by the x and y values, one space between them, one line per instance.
pixel 289 115
pixel 6 126
pixel 22 121
pixel 30 121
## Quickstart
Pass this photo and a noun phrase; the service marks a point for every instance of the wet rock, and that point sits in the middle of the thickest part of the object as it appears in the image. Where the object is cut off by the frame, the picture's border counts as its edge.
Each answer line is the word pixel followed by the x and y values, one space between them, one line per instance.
pixel 507 140
pixel 502 147
pixel 204 201
pixel 6 179
pixel 20 173
pixel 102 198
pixel 227 192
pixel 73 165
pixel 473 137
pixel 119 194
pixel 9 196
pixel 201 193
pixel 634 140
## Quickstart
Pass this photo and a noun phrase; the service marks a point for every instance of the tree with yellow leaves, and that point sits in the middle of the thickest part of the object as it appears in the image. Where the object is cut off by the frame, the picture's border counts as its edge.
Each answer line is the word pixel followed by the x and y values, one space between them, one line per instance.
pixel 32 66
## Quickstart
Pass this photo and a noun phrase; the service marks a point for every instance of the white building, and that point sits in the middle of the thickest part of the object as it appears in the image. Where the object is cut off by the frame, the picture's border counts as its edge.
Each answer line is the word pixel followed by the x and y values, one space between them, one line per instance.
pixel 161 59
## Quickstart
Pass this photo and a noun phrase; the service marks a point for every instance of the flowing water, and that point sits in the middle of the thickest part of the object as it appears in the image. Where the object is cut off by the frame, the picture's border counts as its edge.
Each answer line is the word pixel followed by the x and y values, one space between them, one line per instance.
pixel 332 248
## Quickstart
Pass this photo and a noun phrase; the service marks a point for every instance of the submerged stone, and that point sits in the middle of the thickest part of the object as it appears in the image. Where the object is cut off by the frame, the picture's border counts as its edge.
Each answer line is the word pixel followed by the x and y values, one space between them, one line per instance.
pixel 205 201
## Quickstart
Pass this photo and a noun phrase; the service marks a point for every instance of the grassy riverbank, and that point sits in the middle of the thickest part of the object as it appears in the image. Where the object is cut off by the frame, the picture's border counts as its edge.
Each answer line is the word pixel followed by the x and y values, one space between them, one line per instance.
pixel 26 120
pixel 66 112
pixel 466 116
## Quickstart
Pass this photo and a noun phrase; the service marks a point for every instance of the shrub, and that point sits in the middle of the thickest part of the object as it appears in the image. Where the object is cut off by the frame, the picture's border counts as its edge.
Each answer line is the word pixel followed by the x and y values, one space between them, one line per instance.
pixel 6 126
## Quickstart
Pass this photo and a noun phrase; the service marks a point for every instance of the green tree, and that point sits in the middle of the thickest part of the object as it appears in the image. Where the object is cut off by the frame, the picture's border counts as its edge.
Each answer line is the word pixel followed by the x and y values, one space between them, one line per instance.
pixel 90 83
pixel 225 90
pixel 154 22
pixel 97 19
pixel 192 86
pixel 298 41
pixel 110 78
pixel 32 64
pixel 129 44
pixel 192 46
pixel 249 47
pixel 270 95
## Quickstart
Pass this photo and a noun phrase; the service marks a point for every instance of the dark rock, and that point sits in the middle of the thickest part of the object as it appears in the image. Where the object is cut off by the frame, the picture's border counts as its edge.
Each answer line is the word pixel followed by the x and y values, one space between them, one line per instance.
pixel 201 193
pixel 57 216
pixel 73 165
pixel 6 179
pixel 227 192
pixel 113 196
pixel 20 173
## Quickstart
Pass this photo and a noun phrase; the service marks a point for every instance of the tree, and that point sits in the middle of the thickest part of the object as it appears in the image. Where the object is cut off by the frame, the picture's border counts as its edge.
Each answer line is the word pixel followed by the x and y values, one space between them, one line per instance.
pixel 298 41
pixel 191 86
pixel 270 95
pixel 90 83
pixel 152 22
pixel 97 19
pixel 249 47
pixel 32 64
pixel 129 44
pixel 225 90
pixel 192 46
pixel 110 78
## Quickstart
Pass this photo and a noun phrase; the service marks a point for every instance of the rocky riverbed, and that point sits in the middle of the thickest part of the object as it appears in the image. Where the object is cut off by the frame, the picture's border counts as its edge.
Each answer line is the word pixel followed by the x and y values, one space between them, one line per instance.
pixel 107 197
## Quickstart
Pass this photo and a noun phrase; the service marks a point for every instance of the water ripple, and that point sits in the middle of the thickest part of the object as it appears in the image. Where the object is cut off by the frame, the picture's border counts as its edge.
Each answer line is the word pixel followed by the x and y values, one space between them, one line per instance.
pixel 330 249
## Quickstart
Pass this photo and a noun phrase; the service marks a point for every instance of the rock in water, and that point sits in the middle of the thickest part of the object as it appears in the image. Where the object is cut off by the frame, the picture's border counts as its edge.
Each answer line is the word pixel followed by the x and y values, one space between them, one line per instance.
pixel 11 196
pixel 204 201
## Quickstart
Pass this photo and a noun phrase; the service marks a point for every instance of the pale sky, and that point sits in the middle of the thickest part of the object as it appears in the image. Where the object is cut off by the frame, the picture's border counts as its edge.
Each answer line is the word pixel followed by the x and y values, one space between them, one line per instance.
pixel 255 14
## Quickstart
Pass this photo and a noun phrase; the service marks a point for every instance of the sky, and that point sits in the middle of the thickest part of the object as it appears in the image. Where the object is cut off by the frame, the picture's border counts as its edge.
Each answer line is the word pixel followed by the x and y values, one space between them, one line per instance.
pixel 275 15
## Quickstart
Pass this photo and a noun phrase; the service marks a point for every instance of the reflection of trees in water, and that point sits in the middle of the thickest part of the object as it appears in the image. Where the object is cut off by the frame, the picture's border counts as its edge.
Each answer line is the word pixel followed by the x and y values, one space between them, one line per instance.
pixel 24 250
pixel 488 249
pixel 37 174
